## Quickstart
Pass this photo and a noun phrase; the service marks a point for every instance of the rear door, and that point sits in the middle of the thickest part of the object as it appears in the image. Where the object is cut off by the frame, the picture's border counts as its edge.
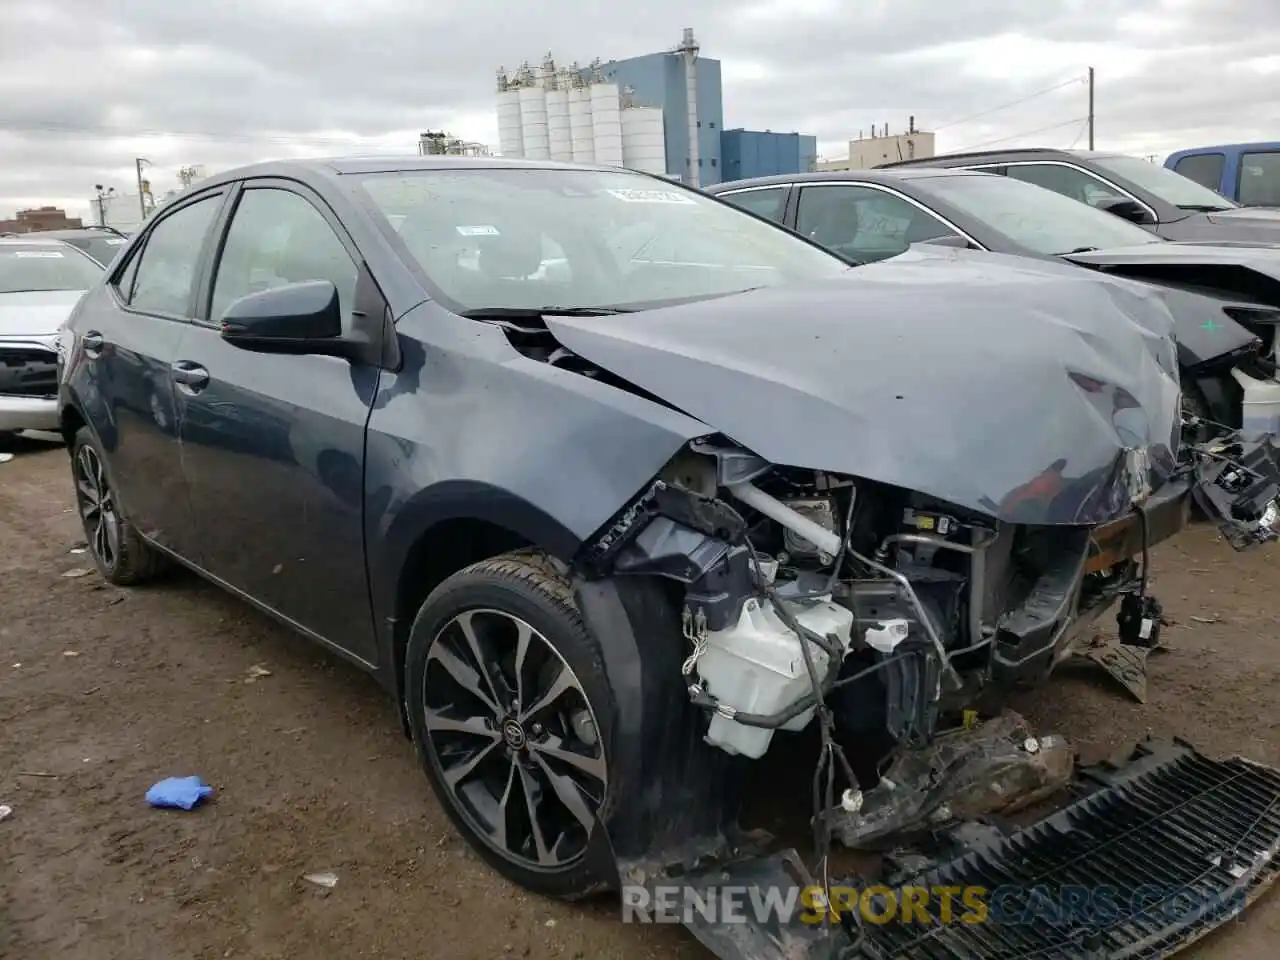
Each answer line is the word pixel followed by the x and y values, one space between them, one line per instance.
pixel 274 445
pixel 128 335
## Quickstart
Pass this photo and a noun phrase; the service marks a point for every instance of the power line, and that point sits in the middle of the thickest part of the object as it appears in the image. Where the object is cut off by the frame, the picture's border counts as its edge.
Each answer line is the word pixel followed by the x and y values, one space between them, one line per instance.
pixel 1080 133
pixel 1024 133
pixel 1012 103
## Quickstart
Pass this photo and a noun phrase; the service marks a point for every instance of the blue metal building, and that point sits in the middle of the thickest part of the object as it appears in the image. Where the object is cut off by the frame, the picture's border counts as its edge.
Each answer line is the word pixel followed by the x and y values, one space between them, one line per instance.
pixel 762 153
pixel 658 80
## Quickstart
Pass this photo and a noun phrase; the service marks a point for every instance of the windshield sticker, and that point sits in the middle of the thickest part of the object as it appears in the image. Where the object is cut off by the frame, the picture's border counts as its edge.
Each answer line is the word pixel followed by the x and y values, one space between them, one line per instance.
pixel 482 230
pixel 649 196
pixel 39 254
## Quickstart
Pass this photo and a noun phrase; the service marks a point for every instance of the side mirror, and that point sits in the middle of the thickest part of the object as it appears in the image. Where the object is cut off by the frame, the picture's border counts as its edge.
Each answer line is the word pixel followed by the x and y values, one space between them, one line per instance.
pixel 297 318
pixel 1129 210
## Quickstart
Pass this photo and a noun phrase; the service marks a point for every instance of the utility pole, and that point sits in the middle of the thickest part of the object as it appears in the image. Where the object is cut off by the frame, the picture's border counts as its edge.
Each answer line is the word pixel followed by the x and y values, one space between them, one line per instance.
pixel 102 198
pixel 138 164
pixel 1091 108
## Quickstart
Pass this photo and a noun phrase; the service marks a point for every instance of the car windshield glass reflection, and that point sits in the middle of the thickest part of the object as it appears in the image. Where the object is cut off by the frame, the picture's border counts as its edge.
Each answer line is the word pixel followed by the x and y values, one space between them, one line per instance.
pixel 34 268
pixel 583 238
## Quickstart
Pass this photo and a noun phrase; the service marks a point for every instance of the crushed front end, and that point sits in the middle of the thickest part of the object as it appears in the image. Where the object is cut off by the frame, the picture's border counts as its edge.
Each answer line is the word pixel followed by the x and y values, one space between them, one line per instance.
pixel 876 616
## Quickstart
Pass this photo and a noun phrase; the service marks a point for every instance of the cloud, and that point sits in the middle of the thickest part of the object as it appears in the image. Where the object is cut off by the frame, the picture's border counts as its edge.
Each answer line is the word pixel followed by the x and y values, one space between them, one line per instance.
pixel 85 87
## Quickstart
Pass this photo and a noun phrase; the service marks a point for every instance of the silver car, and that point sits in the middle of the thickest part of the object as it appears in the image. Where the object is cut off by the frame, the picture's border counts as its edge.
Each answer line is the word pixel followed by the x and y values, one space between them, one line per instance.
pixel 41 281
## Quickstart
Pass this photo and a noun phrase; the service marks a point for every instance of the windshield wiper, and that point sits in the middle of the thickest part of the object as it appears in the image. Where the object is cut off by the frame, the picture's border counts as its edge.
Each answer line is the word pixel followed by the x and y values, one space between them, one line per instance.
pixel 1077 250
pixel 1203 207
pixel 486 313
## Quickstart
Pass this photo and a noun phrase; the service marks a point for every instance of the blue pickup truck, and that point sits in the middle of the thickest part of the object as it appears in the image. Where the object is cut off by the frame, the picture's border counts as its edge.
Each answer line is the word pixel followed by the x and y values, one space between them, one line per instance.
pixel 1248 173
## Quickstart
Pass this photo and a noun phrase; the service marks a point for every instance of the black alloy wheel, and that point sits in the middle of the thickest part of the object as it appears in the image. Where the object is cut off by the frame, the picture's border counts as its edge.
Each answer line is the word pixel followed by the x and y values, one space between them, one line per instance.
pixel 122 556
pixel 501 711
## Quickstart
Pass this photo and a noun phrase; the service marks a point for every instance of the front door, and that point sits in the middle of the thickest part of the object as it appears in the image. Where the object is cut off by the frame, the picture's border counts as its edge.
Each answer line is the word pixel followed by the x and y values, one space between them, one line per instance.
pixel 129 333
pixel 273 445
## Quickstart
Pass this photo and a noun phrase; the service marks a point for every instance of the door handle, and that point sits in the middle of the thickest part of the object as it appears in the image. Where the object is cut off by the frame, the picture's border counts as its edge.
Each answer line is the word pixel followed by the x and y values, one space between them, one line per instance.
pixel 190 375
pixel 93 343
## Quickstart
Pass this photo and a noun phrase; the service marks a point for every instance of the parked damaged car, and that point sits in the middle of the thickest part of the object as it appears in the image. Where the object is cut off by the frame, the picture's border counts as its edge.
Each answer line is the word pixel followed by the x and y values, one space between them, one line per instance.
pixel 1225 300
pixel 1166 203
pixel 40 282
pixel 617 488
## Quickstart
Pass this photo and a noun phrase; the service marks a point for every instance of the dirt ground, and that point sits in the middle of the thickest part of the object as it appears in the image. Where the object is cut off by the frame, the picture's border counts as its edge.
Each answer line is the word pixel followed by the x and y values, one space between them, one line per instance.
pixel 104 691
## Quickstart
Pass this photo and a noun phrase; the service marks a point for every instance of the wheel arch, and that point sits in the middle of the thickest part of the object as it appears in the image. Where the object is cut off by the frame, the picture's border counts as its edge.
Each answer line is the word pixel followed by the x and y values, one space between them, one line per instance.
pixel 435 535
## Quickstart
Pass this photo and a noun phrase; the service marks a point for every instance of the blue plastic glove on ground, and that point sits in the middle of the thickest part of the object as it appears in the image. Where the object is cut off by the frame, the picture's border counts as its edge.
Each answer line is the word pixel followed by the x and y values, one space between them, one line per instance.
pixel 181 793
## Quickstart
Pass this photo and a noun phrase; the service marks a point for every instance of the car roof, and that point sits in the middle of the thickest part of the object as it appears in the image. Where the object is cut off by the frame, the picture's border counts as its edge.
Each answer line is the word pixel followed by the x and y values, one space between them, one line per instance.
pixel 330 167
pixel 878 175
pixel 1022 152
pixel 79 233
pixel 31 240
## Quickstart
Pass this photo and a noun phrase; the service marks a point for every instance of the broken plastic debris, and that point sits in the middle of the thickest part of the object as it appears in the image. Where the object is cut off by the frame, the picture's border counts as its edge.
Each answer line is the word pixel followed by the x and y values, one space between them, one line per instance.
pixel 1205 619
pixel 256 671
pixel 326 880
pixel 180 793
pixel 71 653
pixel 6 811
pixel 77 572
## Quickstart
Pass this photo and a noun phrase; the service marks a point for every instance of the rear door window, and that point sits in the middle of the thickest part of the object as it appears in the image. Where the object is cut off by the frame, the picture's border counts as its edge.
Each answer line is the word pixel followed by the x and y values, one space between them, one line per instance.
pixel 769 203
pixel 863 223
pixel 1204 168
pixel 1260 179
pixel 170 261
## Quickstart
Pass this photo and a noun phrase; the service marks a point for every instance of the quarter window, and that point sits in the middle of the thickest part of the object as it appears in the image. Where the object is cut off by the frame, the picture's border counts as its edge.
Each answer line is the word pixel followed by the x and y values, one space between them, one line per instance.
pixel 278 237
pixel 1067 181
pixel 863 223
pixel 764 203
pixel 170 260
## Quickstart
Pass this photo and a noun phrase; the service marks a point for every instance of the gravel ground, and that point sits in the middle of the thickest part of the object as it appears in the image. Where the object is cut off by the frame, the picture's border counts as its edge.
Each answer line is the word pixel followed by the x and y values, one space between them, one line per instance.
pixel 104 691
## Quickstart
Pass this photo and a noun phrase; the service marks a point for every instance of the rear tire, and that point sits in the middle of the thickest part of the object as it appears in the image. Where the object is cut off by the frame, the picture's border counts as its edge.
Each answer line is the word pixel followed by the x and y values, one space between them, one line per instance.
pixel 511 713
pixel 122 556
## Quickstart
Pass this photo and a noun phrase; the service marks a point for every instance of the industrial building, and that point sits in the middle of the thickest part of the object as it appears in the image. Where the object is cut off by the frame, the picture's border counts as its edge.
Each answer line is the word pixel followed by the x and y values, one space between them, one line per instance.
pixel 883 147
pixel 661 113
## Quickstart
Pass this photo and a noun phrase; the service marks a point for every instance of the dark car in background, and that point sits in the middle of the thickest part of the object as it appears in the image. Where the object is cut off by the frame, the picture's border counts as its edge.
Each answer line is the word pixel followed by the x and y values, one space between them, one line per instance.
pixel 101 243
pixel 609 482
pixel 1225 299
pixel 1164 202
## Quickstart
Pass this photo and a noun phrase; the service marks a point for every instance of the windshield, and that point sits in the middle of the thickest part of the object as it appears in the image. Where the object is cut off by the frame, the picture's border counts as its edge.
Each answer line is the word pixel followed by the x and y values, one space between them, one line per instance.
pixel 27 268
pixel 1034 217
pixel 1170 187
pixel 532 238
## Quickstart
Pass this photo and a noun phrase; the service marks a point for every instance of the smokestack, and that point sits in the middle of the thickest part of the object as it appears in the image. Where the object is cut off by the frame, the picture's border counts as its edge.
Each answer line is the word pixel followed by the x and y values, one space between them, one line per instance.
pixel 689 50
pixel 911 124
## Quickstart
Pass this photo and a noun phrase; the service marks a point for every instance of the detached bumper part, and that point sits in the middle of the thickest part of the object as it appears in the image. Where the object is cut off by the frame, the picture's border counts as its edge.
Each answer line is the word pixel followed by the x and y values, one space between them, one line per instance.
pixel 1238 484
pixel 1153 855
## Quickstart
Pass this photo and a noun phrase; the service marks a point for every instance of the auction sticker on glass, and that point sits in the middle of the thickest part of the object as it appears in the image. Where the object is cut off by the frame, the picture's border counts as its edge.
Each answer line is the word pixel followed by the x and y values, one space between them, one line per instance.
pixel 649 196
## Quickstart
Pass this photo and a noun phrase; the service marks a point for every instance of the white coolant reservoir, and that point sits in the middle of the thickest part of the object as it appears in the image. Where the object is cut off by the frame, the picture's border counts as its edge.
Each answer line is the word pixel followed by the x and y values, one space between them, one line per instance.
pixel 756 666
pixel 1261 405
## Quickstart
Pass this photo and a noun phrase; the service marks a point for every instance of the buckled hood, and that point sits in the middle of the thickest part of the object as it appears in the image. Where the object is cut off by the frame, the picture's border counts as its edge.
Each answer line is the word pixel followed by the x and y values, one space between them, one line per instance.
pixel 1032 395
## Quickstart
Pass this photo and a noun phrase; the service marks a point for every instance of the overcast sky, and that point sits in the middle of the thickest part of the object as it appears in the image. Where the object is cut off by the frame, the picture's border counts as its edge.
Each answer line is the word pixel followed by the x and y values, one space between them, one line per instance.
pixel 86 85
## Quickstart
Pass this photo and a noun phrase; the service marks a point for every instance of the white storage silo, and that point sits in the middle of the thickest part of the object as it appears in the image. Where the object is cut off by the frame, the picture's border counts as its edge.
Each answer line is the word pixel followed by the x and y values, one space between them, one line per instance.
pixel 533 123
pixel 558 135
pixel 581 134
pixel 606 123
pixel 644 142
pixel 510 137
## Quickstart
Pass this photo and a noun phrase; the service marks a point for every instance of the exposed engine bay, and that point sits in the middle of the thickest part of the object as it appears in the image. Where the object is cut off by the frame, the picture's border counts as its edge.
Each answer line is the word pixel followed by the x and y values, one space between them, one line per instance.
pixel 875 610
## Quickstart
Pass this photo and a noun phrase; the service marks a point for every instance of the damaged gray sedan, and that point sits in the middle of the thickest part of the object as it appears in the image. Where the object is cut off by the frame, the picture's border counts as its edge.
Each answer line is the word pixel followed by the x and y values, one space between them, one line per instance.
pixel 618 489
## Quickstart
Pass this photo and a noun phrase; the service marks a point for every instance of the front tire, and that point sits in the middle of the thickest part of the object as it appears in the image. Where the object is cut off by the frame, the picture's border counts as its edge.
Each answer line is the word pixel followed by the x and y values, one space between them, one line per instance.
pixel 511 713
pixel 118 550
